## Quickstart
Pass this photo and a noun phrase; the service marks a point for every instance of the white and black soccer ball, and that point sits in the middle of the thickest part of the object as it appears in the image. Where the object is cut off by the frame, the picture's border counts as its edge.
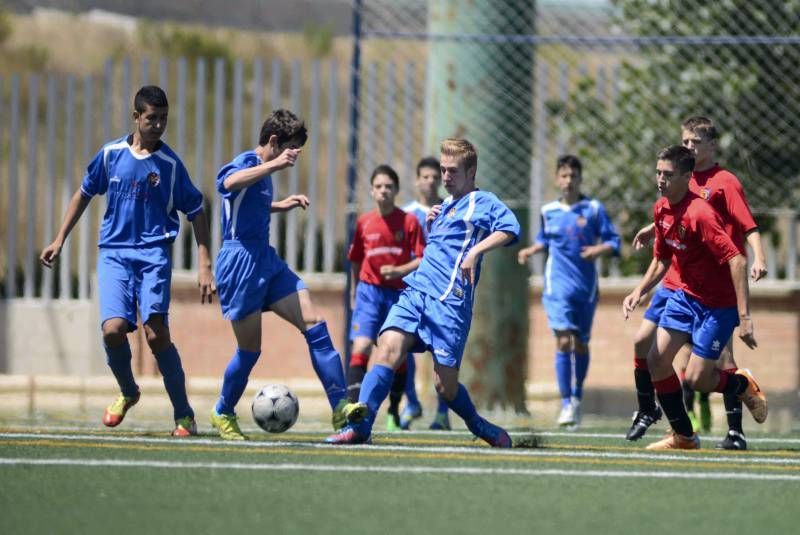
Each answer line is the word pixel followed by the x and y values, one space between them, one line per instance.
pixel 275 408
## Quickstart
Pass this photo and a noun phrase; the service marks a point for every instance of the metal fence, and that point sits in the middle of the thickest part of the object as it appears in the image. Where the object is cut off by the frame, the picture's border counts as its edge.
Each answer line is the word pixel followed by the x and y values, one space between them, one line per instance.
pixel 527 81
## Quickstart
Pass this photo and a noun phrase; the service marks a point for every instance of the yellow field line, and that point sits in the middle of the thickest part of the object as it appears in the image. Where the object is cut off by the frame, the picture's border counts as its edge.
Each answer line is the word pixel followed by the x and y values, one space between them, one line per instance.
pixel 344 452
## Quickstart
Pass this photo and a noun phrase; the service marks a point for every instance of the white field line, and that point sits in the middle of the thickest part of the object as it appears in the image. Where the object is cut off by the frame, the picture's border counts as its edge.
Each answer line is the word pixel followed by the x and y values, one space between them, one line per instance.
pixel 480 450
pixel 339 468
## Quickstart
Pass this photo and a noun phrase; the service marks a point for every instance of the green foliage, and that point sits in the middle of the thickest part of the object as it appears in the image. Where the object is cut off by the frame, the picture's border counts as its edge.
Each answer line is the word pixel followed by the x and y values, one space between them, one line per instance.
pixel 5 25
pixel 178 42
pixel 318 39
pixel 752 91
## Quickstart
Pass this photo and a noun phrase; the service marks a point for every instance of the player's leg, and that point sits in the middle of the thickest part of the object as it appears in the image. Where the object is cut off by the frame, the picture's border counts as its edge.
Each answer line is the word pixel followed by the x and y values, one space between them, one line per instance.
pixel 297 309
pixel 563 367
pixel 648 412
pixel 153 274
pixel 395 396
pixel 237 373
pixel 413 408
pixel 681 362
pixel 734 439
pixel 581 356
pixel 360 352
pixel 117 318
pixel 366 319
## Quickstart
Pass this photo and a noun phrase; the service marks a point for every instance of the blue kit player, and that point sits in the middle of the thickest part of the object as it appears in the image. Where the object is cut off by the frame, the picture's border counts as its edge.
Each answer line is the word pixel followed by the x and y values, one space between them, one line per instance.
pixel 575 230
pixel 427 182
pixel 252 278
pixel 145 184
pixel 435 310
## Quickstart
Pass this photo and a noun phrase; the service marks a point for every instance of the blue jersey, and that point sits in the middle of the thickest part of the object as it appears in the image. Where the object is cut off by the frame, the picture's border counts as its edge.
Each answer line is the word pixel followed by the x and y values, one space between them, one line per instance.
pixel 564 231
pixel 245 212
pixel 461 224
pixel 144 193
pixel 420 211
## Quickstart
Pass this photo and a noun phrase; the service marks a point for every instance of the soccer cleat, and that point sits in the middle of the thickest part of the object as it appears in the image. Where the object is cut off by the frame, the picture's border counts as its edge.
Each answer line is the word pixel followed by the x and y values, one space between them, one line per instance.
pixel 338 419
pixel 694 420
pixel 753 398
pixel 495 436
pixel 734 440
pixel 116 412
pixel 577 414
pixel 355 413
pixel 348 435
pixel 409 414
pixel 567 415
pixel 185 427
pixel 705 413
pixel 642 420
pixel 227 425
pixel 441 422
pixel 674 441
pixel 393 423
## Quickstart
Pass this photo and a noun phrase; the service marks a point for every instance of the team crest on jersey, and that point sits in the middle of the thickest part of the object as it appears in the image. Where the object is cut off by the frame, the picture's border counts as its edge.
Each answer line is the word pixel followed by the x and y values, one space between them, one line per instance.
pixel 398 235
pixel 705 193
pixel 581 221
pixel 153 178
pixel 452 212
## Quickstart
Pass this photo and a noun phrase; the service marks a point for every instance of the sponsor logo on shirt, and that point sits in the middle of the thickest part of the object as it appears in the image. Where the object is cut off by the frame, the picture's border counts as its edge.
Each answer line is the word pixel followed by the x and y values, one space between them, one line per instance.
pixel 153 179
pixel 676 244
pixel 396 251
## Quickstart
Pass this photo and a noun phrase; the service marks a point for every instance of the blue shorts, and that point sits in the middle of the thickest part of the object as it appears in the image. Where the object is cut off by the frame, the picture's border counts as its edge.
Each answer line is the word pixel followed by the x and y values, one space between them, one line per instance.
pixel 128 276
pixel 657 303
pixel 564 314
pixel 440 328
pixel 372 306
pixel 710 328
pixel 250 277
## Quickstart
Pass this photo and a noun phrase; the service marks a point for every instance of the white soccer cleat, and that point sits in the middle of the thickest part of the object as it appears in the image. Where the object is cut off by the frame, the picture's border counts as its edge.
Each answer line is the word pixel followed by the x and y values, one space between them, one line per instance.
pixel 567 415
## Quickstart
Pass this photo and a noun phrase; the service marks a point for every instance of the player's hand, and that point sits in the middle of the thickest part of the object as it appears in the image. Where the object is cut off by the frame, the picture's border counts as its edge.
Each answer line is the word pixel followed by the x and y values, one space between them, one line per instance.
pixel 746 332
pixel 205 281
pixel 294 201
pixel 523 255
pixel 468 268
pixel 389 272
pixel 758 270
pixel 630 303
pixel 590 252
pixel 644 237
pixel 433 214
pixel 51 253
pixel 285 159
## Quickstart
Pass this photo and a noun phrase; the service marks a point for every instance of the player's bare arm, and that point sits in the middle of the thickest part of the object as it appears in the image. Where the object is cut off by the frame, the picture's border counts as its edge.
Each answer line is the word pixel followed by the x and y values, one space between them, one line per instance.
pixel 390 272
pixel 290 203
pixel 496 239
pixel 76 207
pixel 527 252
pixel 205 278
pixel 644 237
pixel 247 177
pixel 655 272
pixel 590 252
pixel 738 266
pixel 759 268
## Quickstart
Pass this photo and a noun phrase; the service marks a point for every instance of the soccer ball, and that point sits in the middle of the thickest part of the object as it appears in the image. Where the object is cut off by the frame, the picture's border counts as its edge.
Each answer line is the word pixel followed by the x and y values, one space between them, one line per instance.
pixel 275 408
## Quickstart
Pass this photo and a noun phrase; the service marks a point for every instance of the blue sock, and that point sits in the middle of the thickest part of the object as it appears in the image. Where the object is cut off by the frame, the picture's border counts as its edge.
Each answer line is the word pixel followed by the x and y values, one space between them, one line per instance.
pixel 441 407
pixel 169 364
pixel 463 406
pixel 326 362
pixel 411 387
pixel 581 369
pixel 235 380
pixel 119 360
pixel 564 374
pixel 374 389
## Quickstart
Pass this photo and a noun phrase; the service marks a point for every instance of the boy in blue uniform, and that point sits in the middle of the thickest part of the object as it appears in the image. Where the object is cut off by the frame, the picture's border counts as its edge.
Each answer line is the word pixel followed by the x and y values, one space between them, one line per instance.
pixel 145 184
pixel 435 310
pixel 427 182
pixel 570 230
pixel 252 278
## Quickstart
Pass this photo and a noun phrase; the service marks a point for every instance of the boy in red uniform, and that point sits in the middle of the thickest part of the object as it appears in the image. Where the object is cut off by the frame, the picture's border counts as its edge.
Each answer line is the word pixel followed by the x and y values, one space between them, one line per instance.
pixel 710 300
pixel 387 245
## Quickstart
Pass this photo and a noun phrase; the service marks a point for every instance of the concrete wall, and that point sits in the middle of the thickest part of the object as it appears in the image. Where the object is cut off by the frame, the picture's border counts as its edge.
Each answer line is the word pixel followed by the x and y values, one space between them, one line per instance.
pixel 63 337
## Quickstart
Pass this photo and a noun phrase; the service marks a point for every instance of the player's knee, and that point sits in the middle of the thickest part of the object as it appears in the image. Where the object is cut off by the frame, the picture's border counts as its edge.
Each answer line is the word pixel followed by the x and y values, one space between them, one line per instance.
pixel 157 338
pixel 115 331
pixel 564 343
pixel 446 390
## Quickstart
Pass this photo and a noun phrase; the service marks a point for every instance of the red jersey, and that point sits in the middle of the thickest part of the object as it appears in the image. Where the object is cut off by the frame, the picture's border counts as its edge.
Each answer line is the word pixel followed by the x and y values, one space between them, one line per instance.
pixel 691 233
pixel 379 241
pixel 724 192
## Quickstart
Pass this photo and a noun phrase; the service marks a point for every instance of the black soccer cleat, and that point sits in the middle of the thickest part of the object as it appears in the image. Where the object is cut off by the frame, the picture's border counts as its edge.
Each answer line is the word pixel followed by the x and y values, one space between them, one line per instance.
pixel 734 440
pixel 642 420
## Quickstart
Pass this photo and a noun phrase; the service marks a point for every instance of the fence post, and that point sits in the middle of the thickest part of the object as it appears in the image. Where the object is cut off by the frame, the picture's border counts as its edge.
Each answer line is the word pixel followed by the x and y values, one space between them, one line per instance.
pixel 30 216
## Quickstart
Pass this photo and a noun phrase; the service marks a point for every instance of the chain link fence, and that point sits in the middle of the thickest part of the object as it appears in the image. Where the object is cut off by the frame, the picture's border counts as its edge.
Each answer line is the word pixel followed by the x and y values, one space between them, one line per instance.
pixel 610 81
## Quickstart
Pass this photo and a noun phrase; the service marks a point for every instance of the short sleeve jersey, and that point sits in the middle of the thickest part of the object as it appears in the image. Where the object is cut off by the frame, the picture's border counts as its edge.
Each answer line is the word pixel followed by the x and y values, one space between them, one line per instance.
pixel 461 224
pixel 246 211
pixel 725 194
pixel 144 193
pixel 379 241
pixel 691 233
pixel 564 231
